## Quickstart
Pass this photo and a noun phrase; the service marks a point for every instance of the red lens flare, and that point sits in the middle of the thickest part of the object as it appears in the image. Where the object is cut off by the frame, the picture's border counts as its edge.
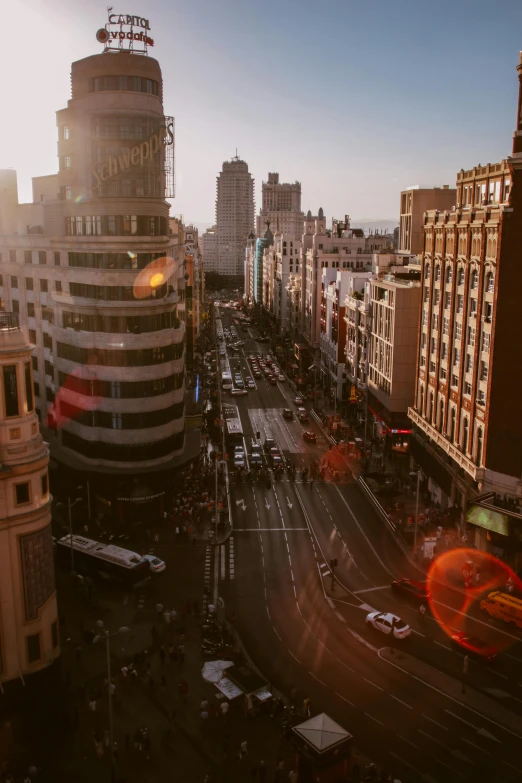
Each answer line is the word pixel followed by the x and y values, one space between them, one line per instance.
pixel 472 575
pixel 79 395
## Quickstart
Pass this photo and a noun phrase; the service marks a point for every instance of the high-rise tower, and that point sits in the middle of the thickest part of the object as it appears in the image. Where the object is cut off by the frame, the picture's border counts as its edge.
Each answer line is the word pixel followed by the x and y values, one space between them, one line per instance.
pixel 234 216
pixel 281 207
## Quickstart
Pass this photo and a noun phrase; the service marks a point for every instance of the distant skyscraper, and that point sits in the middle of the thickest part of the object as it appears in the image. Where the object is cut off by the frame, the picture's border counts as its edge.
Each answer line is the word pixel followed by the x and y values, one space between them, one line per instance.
pixel 209 249
pixel 235 213
pixel 281 207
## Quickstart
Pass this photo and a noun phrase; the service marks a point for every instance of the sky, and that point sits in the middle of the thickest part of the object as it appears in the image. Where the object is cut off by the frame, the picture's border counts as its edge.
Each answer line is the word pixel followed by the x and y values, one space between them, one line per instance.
pixel 356 99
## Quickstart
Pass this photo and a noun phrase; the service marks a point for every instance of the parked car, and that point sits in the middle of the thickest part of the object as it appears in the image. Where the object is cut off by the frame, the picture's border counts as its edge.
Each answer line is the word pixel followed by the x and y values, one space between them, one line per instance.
pixel 474 646
pixel 288 414
pixel 388 623
pixel 310 436
pixel 412 589
pixel 155 564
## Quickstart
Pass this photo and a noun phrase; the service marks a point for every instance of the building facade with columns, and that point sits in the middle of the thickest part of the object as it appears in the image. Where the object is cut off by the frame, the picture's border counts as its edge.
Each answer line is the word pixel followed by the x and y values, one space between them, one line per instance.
pixel 29 635
pixel 281 208
pixel 467 414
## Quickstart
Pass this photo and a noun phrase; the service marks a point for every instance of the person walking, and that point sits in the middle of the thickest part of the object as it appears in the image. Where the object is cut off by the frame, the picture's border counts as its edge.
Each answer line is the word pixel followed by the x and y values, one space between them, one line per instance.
pixel 243 750
pixel 224 707
pixel 422 613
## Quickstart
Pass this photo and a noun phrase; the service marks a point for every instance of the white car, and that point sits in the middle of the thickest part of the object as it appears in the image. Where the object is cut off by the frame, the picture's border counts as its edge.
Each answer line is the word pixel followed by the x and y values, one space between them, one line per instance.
pixel 280 378
pixel 298 400
pixel 155 564
pixel 388 623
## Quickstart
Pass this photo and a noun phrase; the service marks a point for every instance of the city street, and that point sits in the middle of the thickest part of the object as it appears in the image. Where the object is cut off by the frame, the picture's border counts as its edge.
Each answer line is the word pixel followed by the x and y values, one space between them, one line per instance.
pixel 406 708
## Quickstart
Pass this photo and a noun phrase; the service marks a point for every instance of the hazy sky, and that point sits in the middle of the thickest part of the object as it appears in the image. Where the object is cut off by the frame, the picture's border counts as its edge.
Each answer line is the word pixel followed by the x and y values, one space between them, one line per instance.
pixel 357 99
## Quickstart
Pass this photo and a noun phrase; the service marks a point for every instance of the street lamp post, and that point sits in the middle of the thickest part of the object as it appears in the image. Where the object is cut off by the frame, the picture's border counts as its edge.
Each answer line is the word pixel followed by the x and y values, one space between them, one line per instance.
pixel 106 636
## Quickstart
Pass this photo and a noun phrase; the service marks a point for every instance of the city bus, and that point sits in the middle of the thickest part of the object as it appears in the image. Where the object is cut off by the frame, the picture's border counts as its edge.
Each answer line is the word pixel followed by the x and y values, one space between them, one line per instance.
pixel 233 432
pixel 109 562
pixel 226 380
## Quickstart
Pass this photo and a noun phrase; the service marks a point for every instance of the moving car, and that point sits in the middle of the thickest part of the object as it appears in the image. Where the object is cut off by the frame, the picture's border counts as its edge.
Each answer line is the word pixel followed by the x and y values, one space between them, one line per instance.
pixel 280 378
pixel 155 564
pixel 410 588
pixel 388 623
pixel 238 392
pixel 272 379
pixel 472 645
pixel 257 374
pixel 250 383
pixel 303 417
pixel 256 458
pixel 288 414
pixel 298 400
pixel 310 436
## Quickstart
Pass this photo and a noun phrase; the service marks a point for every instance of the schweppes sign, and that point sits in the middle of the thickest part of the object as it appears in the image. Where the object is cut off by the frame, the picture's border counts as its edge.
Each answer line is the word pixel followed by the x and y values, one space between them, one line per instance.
pixel 133 156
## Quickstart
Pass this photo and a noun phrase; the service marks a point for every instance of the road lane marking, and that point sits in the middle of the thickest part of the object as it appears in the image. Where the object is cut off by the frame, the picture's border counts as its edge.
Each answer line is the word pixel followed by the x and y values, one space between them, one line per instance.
pixel 364 534
pixel 375 719
pixel 499 674
pixel 408 741
pixel 476 746
pixel 433 739
pixel 275 631
pixel 370 589
pixel 443 764
pixel 293 656
pixel 446 646
pixel 462 719
pixel 401 701
pixel 344 699
pixel 447 696
pixel 374 685
pixel 512 767
pixel 345 665
pixel 435 722
pixel 406 763
pixel 316 678
pixel 267 529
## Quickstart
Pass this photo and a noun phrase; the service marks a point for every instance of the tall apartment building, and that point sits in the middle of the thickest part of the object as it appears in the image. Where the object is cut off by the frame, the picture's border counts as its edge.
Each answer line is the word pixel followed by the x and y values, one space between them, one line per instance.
pixel 281 208
pixel 468 407
pixel 235 212
pixel 92 270
pixel 209 249
pixel 29 640
pixel 415 201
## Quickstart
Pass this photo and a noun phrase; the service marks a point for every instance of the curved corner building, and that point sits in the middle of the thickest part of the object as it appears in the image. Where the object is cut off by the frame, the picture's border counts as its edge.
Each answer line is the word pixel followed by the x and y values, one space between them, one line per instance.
pixel 104 303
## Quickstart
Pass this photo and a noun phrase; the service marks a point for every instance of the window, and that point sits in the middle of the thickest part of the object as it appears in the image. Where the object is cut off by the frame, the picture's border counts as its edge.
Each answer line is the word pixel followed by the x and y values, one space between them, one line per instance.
pixel 490 283
pixel 469 362
pixel 33 648
pixel 435 321
pixel 460 303
pixel 460 277
pixel 458 330
pixel 425 317
pixel 474 280
pixel 42 257
pixel 424 340
pixel 444 353
pixel 437 273
pixel 432 367
pixel 15 306
pixel 447 300
pixel 36 387
pixel 456 357
pixel 14 281
pixel 445 326
pixel 481 397
pixel 436 299
pixel 427 272
pixel 486 337
pixel 465 432
pixel 44 286
pixel 449 275
pixel 483 371
pixel 471 336
pixel 47 341
pixel 29 399
pixel 10 390
pixel 56 256
pixel 28 283
pixel 45 485
pixel 443 373
pixel 12 256
pixel 488 312
pixel 22 493
pixel 426 294
pixel 30 310
pixel 65 162
pixel 467 388
pixel 433 345
pixel 480 440
pixel 34 362
pixel 58 286
pixel 473 305
pixel 28 257
pixel 49 369
pixel 54 634
pixel 455 380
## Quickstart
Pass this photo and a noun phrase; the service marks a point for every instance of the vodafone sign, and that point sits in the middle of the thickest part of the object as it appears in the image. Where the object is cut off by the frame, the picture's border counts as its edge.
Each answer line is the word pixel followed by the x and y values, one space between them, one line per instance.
pixel 114 36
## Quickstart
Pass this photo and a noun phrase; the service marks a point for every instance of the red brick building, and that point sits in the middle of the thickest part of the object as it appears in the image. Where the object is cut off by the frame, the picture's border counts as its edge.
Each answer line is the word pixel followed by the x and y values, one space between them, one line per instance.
pixel 468 408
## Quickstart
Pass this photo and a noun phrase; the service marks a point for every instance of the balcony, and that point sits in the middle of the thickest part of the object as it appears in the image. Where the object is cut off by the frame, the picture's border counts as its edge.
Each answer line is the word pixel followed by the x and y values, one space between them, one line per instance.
pixel 476 473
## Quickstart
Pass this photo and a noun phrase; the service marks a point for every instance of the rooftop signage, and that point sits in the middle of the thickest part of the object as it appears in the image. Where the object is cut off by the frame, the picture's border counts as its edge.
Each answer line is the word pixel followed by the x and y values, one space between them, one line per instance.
pixel 125 32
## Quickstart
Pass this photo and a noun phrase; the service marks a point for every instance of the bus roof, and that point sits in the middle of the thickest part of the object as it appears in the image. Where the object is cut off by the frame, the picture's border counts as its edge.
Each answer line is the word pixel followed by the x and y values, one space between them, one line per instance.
pixel 109 552
pixel 506 598
pixel 234 427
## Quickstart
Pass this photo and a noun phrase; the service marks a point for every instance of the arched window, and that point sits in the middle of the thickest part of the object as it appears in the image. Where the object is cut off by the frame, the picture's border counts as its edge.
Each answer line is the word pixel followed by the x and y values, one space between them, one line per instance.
pixel 474 279
pixel 437 272
pixel 465 434
pixel 440 420
pixel 452 424
pixel 490 283
pixel 449 274
pixel 480 443
pixel 430 409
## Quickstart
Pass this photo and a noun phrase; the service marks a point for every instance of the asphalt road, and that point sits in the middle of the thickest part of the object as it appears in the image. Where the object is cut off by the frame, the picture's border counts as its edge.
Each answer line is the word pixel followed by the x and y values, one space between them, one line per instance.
pixel 300 637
